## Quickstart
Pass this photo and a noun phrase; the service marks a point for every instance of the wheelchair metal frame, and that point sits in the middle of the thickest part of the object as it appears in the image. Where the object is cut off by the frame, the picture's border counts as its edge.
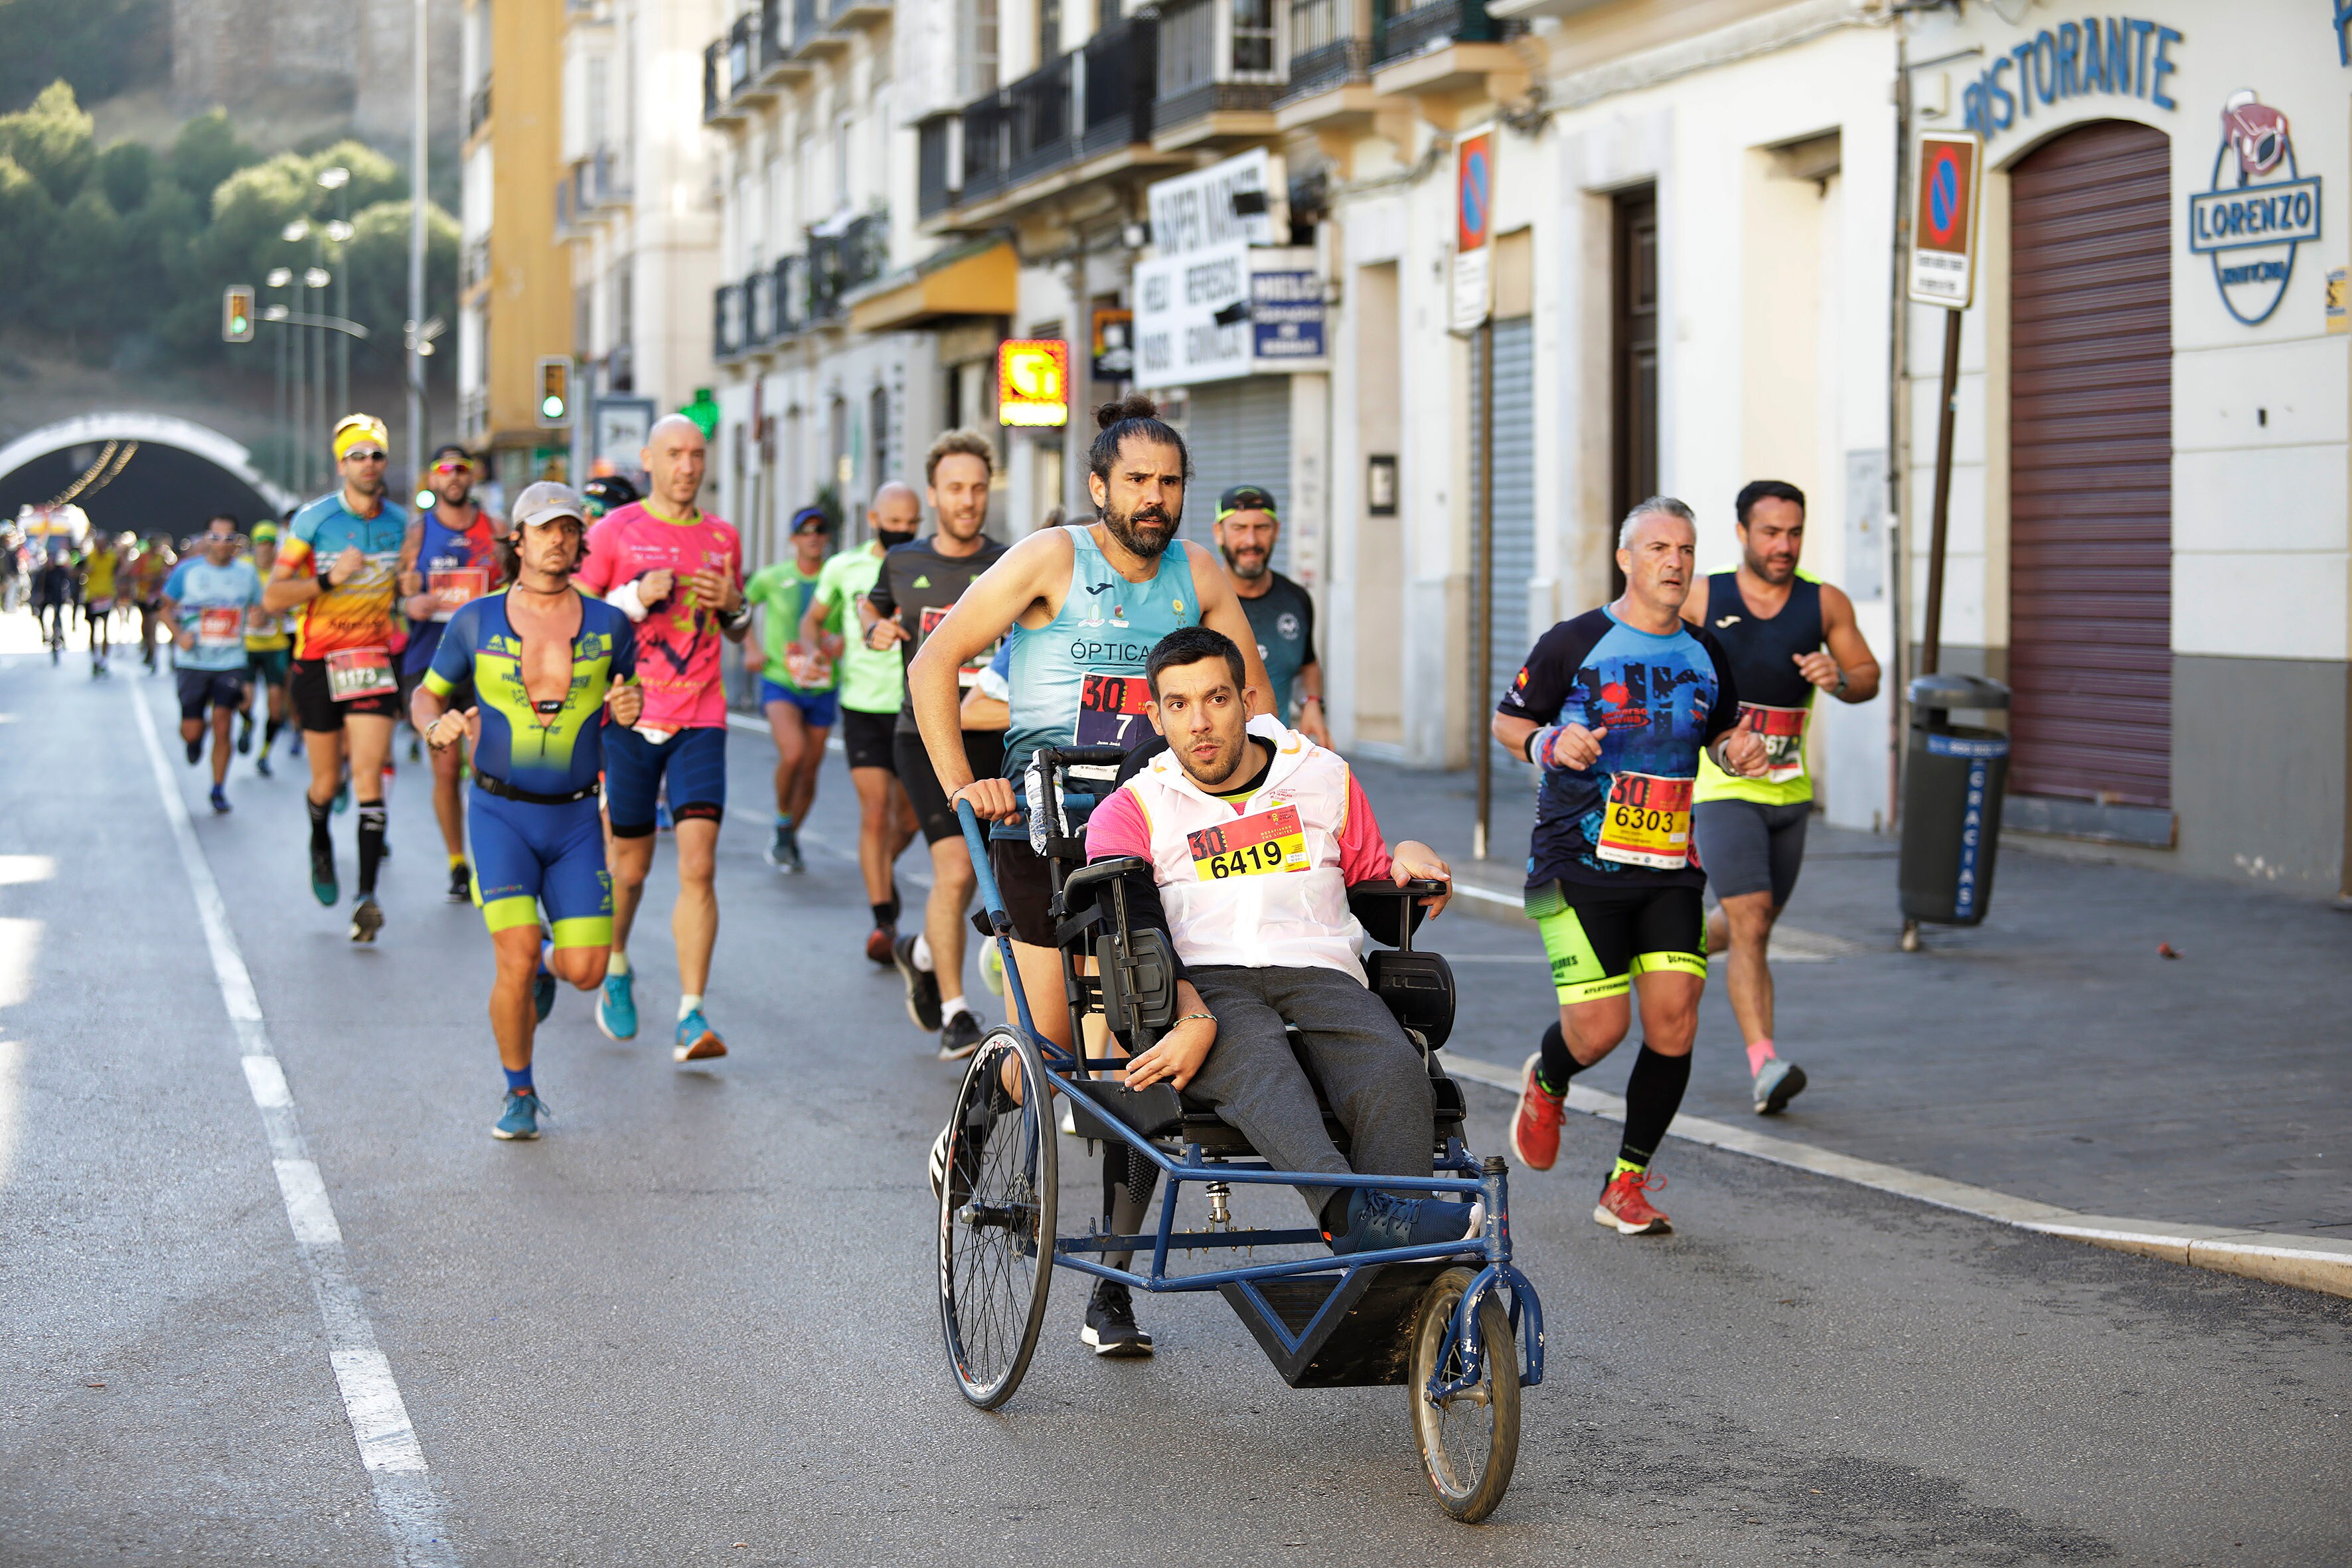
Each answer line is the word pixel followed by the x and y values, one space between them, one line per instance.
pixel 1070 1074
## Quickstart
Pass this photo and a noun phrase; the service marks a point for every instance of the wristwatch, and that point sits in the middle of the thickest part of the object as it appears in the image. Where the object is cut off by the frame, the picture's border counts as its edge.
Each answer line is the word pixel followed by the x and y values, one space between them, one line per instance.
pixel 1839 688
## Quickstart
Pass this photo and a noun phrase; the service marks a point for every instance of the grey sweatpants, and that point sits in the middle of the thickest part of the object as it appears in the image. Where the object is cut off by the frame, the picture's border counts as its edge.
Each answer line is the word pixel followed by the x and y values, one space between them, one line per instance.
pixel 1370 1073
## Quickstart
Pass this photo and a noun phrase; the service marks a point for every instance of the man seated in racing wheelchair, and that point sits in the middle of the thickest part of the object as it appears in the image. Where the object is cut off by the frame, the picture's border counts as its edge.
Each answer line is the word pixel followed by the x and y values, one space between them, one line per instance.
pixel 1253 836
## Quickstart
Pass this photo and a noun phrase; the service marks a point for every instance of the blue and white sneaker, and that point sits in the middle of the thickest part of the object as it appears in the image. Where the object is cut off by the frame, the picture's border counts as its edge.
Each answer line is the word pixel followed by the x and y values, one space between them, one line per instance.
pixel 520 1120
pixel 696 1040
pixel 616 1009
pixel 1778 1083
pixel 1378 1221
pixel 542 987
pixel 220 801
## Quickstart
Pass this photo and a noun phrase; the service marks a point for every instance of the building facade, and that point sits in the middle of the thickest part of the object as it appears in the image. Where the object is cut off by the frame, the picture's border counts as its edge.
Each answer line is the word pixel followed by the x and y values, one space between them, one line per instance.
pixel 2149 494
pixel 515 277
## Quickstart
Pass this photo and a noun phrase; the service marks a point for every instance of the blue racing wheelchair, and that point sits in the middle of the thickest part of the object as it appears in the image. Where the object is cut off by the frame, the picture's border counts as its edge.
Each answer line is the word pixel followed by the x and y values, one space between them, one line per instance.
pixel 1455 1322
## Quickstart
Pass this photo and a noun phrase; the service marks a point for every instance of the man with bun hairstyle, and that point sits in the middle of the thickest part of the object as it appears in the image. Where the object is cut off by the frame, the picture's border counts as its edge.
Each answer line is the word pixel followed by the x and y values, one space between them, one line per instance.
pixel 1084 604
pixel 339 571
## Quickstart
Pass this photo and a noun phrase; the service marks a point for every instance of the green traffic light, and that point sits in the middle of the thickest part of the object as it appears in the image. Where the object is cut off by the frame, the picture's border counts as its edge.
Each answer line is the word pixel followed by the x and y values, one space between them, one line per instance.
pixel 553 407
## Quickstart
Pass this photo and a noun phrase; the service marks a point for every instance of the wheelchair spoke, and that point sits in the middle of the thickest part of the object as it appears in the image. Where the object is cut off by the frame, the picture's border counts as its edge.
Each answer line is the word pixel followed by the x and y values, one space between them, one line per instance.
pixel 996 1229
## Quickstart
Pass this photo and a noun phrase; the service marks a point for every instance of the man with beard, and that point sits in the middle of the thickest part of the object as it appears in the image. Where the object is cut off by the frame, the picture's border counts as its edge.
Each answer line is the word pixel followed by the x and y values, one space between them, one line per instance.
pixel 1773 621
pixel 873 688
pixel 338 570
pixel 1279 611
pixel 918 587
pixel 1085 605
pixel 450 559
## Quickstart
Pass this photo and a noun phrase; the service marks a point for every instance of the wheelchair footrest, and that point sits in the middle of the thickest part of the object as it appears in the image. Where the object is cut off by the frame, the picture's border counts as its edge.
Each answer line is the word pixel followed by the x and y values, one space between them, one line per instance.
pixel 1336 1331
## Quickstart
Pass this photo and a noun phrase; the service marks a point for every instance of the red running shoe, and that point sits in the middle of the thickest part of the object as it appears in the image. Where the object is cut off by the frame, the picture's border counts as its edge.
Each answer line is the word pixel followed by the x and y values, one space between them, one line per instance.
pixel 1624 1205
pixel 1535 1131
pixel 878 943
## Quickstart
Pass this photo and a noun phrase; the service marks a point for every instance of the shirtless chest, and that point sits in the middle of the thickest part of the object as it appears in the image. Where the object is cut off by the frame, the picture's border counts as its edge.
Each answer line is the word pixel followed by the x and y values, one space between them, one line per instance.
pixel 546 632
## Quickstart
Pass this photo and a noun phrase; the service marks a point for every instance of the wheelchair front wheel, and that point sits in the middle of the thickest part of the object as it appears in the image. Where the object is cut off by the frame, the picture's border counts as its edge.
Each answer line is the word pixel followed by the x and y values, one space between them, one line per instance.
pixel 1470 1443
pixel 996 1219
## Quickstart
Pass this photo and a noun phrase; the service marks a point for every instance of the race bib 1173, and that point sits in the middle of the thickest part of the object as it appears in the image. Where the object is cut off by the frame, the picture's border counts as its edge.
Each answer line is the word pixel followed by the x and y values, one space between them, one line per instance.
pixel 1253 846
pixel 358 672
pixel 1647 822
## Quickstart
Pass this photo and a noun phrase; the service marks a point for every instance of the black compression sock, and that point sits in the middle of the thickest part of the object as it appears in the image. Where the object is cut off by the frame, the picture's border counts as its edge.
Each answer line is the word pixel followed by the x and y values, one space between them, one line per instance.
pixel 269 732
pixel 1557 1065
pixel 884 915
pixel 319 816
pixel 1652 1094
pixel 894 906
pixel 372 821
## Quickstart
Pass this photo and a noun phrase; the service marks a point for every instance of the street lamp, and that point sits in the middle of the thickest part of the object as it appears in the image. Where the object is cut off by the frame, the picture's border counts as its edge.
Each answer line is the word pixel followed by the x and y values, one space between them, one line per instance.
pixel 279 278
pixel 337 179
pixel 294 233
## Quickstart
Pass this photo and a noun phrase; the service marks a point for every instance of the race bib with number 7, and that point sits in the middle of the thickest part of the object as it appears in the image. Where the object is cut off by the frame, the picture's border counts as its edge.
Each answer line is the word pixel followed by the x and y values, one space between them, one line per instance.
pixel 1253 846
pixel 1647 822
pixel 357 672
pixel 1111 711
pixel 1782 730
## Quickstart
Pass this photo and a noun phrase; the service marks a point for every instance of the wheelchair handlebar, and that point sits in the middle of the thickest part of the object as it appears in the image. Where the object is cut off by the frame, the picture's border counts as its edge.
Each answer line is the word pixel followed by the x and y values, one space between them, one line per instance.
pixel 1420 887
pixel 1083 756
pixel 975 838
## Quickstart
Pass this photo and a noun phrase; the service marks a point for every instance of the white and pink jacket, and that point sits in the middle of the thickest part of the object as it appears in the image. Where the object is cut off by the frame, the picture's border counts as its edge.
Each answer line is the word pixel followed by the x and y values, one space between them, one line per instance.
pixel 1262 883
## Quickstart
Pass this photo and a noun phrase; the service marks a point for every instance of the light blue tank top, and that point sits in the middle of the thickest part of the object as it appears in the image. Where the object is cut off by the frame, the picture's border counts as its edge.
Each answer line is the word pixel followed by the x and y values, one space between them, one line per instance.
pixel 1079 679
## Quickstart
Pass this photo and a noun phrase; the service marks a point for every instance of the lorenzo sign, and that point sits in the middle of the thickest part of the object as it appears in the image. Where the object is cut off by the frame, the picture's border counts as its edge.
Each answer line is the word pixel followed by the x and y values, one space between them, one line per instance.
pixel 2256 210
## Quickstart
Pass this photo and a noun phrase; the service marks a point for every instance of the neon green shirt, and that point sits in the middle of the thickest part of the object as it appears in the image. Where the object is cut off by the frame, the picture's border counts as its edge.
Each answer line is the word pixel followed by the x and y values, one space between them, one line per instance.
pixel 870 682
pixel 785 591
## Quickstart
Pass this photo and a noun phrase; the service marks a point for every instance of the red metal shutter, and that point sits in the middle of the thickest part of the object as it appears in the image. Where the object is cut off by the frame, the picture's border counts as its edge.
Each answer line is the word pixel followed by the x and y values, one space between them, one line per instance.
pixel 2090 430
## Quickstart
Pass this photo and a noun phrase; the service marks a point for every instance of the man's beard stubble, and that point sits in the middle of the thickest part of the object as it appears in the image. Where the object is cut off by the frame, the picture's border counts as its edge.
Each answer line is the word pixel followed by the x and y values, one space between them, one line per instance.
pixel 1251 573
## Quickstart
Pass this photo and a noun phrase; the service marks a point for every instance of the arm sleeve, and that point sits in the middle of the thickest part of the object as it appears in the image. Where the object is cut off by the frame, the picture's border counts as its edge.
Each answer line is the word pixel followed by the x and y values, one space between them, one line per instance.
pixel 1363 856
pixel 1723 715
pixel 454 659
pixel 597 568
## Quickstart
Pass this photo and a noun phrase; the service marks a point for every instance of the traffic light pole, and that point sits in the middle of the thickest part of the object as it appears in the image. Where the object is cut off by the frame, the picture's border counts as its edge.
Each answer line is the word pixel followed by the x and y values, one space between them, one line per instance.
pixel 416 259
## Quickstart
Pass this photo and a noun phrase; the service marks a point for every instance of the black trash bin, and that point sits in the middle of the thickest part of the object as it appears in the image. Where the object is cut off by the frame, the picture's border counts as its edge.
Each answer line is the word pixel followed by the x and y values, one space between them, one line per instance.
pixel 1954 776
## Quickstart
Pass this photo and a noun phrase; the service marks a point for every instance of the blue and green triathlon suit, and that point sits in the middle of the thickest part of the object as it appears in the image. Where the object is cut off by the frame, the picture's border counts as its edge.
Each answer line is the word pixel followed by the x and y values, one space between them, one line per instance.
pixel 535 832
pixel 1077 681
pixel 1613 874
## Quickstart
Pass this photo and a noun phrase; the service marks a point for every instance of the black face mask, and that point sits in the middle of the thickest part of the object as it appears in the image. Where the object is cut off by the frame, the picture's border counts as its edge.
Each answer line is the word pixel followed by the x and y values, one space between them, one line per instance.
pixel 891 539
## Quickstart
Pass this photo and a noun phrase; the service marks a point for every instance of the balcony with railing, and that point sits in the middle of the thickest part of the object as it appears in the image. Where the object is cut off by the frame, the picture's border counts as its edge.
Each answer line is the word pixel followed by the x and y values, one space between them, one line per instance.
pixel 759 310
pixel 1220 71
pixel 938 163
pixel 726 321
pixel 776 63
pixel 1086 103
pixel 1330 48
pixel 844 262
pixel 474 261
pixel 787 295
pixel 814 35
pixel 1402 31
pixel 477 110
pixel 846 13
pixel 603 181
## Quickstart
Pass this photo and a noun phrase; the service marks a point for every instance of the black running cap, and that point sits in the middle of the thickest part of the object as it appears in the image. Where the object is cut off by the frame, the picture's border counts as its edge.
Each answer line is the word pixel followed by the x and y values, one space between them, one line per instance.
pixel 1246 497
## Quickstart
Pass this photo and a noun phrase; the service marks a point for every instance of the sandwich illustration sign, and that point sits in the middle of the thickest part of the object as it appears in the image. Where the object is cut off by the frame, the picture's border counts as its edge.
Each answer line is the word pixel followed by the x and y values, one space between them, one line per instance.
pixel 2257 211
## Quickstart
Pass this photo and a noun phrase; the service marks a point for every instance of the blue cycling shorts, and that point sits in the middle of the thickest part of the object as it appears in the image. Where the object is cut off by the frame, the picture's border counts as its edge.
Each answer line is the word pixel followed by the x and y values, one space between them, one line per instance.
pixel 527 856
pixel 694 761
pixel 818 709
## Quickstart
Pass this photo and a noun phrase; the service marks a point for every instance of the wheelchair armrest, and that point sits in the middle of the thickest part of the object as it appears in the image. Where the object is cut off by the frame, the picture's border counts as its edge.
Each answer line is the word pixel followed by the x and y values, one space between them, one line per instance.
pixel 1101 871
pixel 1361 898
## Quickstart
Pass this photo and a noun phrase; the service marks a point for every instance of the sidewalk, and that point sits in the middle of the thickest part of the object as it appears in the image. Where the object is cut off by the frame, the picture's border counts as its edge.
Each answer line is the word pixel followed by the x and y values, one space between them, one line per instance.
pixel 2050 1054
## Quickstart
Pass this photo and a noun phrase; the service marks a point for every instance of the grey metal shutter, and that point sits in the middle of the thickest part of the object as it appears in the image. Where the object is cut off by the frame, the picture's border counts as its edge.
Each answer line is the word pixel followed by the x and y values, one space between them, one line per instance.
pixel 2090 514
pixel 1515 500
pixel 1239 433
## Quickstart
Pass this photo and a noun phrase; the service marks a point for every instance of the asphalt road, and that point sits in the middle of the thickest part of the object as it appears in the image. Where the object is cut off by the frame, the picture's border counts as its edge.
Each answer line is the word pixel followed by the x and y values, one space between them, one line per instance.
pixel 696 1321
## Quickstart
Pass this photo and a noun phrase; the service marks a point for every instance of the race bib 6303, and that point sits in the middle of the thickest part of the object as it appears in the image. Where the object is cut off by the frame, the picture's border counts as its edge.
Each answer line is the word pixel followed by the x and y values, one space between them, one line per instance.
pixel 1647 822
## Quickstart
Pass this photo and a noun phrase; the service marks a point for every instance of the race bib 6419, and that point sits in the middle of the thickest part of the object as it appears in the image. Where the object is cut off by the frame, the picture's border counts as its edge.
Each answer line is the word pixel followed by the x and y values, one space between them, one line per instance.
pixel 1251 846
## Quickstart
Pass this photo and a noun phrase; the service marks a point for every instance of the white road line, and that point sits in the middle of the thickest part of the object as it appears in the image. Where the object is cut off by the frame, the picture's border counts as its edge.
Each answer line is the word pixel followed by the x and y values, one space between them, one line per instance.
pixel 405 1495
pixel 2312 1263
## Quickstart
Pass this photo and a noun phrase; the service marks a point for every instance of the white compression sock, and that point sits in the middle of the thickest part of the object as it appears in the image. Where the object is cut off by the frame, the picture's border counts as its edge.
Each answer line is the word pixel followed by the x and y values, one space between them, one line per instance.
pixel 617 964
pixel 689 1002
pixel 950 1008
pixel 922 952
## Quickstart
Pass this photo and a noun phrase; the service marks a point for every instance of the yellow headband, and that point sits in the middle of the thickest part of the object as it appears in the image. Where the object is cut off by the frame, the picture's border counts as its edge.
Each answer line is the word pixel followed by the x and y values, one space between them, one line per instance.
pixel 357 429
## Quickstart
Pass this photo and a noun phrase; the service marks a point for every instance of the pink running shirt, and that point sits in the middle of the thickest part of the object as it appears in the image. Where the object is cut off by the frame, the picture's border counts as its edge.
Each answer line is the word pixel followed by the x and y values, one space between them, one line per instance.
pixel 678 642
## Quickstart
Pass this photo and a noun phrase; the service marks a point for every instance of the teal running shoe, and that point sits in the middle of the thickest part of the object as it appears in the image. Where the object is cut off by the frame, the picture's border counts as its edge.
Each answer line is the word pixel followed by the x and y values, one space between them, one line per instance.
pixel 542 992
pixel 342 797
pixel 696 1040
pixel 1779 1083
pixel 520 1121
pixel 323 885
pixel 616 1009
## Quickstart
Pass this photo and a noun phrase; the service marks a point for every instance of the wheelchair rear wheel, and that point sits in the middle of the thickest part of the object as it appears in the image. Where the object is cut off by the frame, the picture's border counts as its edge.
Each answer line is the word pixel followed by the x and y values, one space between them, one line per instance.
pixel 1470 1443
pixel 996 1219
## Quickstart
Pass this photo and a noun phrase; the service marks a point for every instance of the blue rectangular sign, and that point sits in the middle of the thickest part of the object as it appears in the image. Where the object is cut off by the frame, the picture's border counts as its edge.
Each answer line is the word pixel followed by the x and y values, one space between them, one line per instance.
pixel 1286 315
pixel 2281 213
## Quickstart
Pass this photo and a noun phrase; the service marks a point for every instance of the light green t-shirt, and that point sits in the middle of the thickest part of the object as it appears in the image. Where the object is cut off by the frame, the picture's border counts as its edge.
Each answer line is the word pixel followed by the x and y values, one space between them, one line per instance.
pixel 870 682
pixel 784 590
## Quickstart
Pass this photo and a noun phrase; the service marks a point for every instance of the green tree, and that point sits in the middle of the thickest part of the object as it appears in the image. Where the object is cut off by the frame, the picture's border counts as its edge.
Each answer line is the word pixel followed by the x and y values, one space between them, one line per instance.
pixel 378 260
pixel 26 214
pixel 205 153
pixel 374 178
pixel 126 173
pixel 51 140
pixel 85 276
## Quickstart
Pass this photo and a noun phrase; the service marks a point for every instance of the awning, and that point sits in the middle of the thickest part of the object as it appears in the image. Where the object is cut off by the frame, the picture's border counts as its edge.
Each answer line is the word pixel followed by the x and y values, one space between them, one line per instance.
pixel 981 279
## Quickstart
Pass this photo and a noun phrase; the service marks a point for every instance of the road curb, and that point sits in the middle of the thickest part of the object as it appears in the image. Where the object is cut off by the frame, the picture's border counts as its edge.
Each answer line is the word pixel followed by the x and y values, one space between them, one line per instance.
pixel 2308 1263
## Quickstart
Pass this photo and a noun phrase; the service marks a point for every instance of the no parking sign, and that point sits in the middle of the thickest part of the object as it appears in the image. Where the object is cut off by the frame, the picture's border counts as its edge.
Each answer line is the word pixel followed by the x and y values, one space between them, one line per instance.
pixel 1944 224
pixel 1474 225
